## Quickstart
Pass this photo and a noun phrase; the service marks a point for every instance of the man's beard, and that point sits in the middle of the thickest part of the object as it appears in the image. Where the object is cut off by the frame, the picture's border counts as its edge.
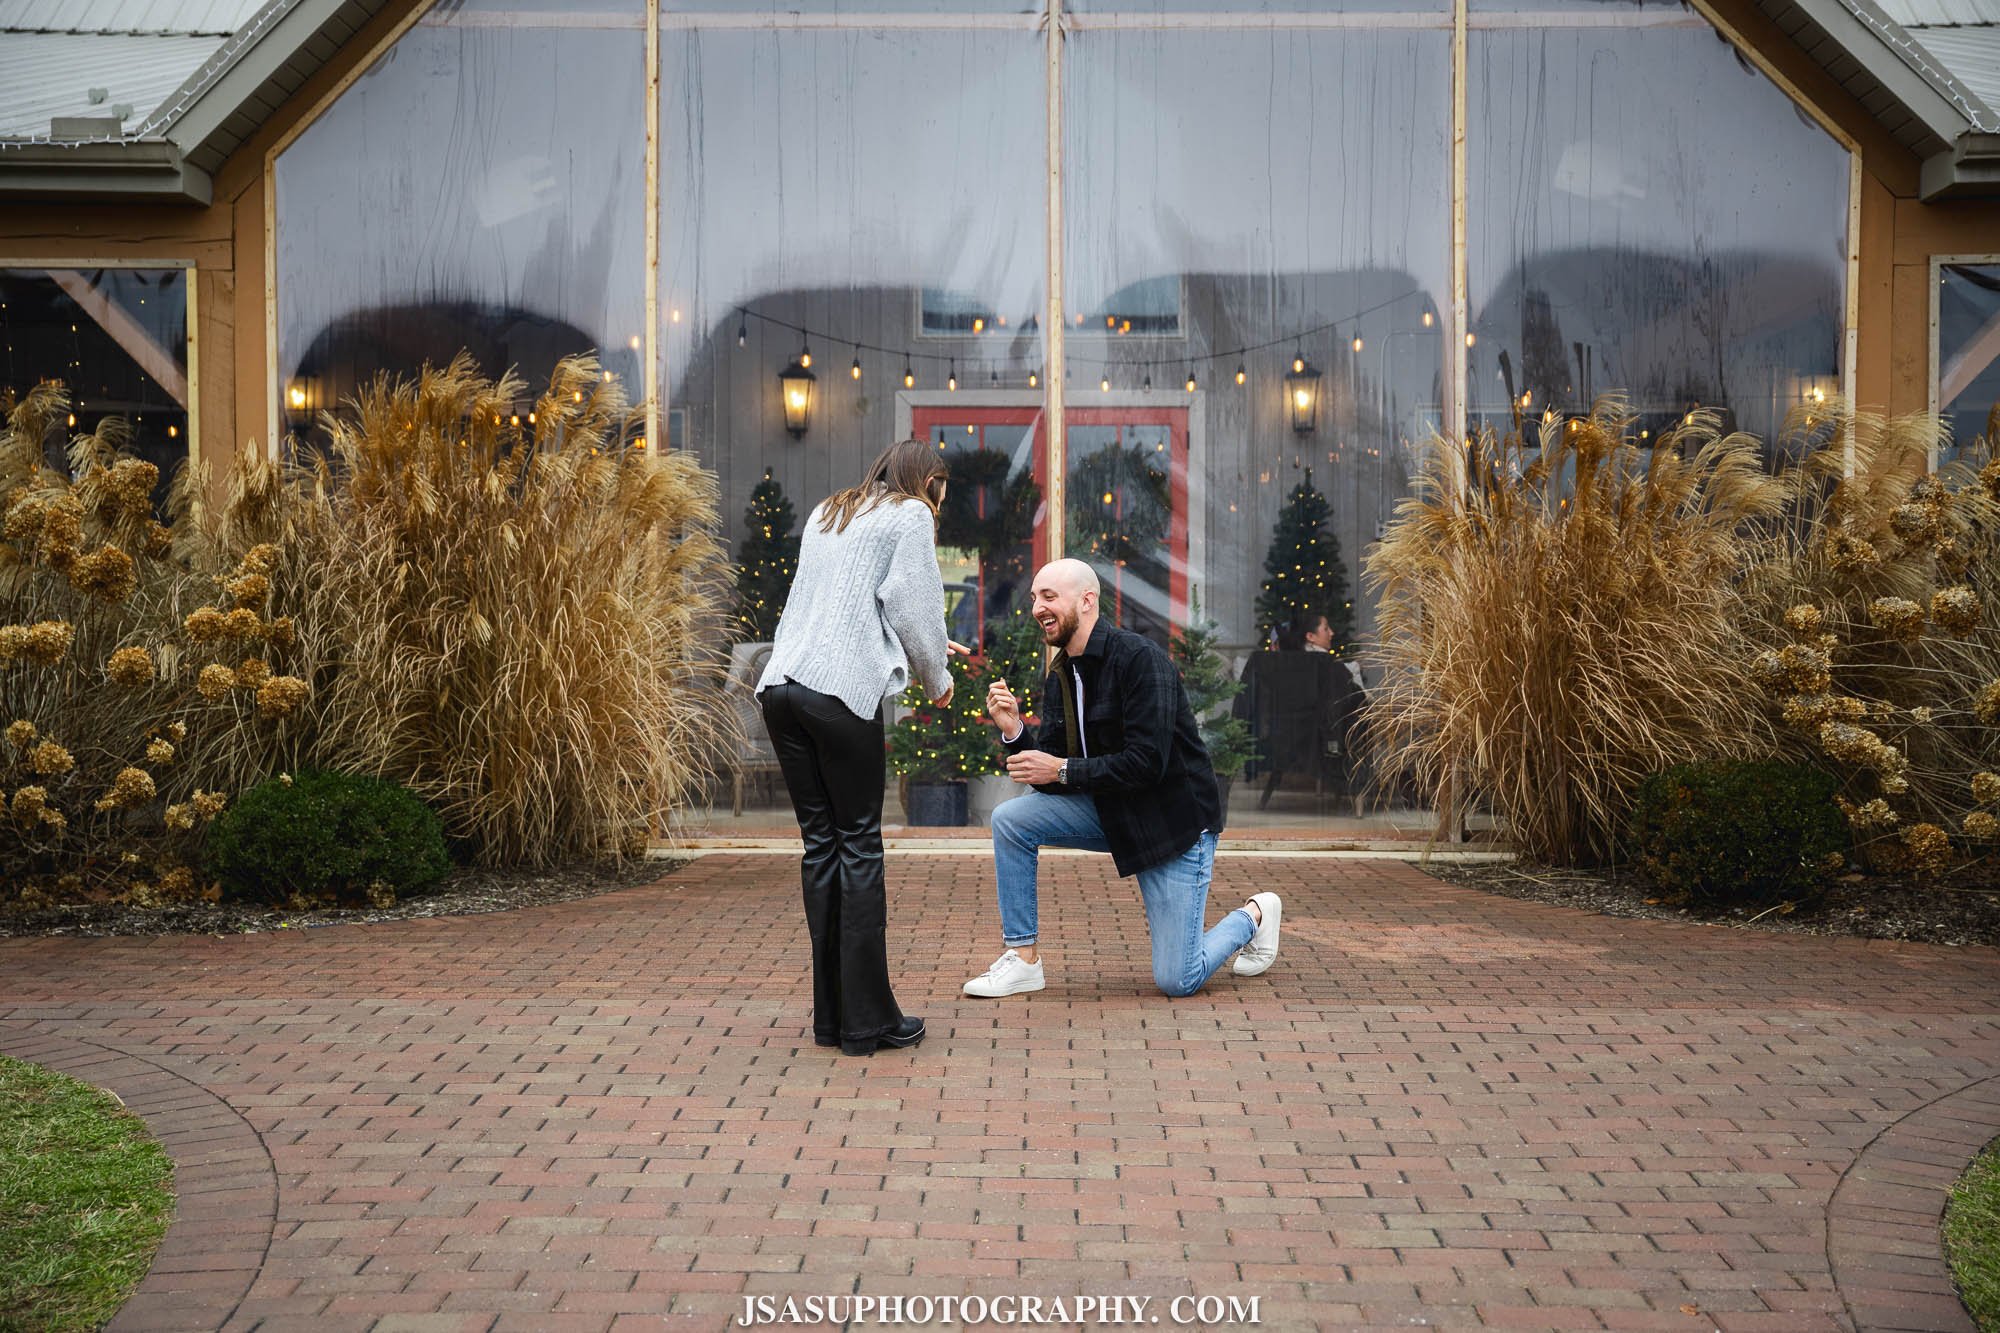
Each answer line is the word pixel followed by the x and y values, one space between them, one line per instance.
pixel 1065 628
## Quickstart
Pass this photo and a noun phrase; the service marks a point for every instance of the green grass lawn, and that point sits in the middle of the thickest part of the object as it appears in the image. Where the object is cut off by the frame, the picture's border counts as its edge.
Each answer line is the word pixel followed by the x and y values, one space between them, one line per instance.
pixel 85 1195
pixel 1972 1236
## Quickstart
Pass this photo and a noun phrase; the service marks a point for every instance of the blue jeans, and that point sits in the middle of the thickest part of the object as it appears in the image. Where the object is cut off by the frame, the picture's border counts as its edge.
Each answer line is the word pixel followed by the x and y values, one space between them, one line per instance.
pixel 1175 891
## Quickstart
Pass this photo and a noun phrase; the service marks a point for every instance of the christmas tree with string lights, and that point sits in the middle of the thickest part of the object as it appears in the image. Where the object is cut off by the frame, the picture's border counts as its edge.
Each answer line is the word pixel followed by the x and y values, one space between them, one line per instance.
pixel 1303 569
pixel 766 559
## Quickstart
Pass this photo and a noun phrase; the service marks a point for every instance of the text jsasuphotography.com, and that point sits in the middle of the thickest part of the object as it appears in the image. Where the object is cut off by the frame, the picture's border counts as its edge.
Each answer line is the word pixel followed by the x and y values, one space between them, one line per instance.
pixel 976 1311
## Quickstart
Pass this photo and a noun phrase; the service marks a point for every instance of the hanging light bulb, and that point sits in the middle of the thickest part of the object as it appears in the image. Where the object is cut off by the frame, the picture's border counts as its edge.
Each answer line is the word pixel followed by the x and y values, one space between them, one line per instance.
pixel 1239 372
pixel 1104 384
pixel 951 380
pixel 1190 379
pixel 805 353
pixel 854 371
pixel 1148 385
pixel 1471 338
pixel 1034 379
pixel 909 376
pixel 1358 344
pixel 994 379
pixel 1427 319
pixel 1299 361
pixel 742 331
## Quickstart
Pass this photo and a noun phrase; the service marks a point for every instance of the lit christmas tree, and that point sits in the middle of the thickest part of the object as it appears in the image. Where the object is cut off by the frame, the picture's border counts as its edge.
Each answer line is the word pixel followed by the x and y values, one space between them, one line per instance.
pixel 766 559
pixel 1304 568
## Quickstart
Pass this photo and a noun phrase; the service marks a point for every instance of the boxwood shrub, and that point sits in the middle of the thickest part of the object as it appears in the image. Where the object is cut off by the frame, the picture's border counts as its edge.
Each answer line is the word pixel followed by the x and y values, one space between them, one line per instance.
pixel 327 835
pixel 1737 833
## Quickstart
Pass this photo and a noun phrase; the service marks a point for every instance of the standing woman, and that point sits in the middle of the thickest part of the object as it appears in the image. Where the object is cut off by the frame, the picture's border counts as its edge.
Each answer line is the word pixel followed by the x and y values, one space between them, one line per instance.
pixel 865 616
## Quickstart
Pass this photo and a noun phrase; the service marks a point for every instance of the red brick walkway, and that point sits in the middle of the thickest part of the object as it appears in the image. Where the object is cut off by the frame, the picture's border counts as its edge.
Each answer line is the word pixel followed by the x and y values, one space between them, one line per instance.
pixel 1439 1108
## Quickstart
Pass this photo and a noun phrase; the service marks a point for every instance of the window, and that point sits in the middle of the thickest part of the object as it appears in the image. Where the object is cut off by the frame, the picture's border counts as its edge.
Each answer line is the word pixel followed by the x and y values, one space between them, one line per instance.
pixel 1968 354
pixel 116 340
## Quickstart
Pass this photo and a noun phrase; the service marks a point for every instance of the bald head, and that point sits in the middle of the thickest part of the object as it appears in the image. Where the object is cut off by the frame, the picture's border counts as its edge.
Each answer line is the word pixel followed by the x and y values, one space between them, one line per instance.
pixel 1072 575
pixel 1065 603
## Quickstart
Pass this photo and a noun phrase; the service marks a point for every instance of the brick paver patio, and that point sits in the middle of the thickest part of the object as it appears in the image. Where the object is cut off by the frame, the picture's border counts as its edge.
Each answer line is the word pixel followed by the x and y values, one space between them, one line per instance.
pixel 1440 1108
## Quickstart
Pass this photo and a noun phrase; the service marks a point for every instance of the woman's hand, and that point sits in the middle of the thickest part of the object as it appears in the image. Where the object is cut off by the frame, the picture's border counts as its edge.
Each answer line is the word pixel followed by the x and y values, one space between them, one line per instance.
pixel 954 646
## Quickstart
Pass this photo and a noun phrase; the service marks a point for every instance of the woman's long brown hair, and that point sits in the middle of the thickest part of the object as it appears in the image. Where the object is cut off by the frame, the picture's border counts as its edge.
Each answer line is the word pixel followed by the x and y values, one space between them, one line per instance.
pixel 906 468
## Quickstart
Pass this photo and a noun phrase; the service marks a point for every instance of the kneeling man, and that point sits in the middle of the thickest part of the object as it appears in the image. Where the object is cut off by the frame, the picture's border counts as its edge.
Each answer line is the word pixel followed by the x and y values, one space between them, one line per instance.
pixel 1117 766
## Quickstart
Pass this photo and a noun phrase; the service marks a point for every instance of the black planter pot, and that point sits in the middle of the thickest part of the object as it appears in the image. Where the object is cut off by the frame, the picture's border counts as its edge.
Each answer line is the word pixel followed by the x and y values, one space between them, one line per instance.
pixel 937 804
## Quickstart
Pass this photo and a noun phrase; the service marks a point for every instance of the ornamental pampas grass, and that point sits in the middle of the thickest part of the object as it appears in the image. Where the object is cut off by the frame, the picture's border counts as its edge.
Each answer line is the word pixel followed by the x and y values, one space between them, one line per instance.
pixel 1564 621
pixel 520 623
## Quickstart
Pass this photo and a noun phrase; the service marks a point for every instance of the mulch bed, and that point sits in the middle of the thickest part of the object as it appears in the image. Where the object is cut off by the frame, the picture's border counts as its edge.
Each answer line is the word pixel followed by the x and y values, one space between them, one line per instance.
pixel 462 893
pixel 1963 908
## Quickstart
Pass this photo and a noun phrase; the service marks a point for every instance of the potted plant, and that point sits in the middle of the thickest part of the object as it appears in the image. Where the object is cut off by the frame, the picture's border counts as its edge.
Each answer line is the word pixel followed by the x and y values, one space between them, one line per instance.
pixel 1210 684
pixel 935 749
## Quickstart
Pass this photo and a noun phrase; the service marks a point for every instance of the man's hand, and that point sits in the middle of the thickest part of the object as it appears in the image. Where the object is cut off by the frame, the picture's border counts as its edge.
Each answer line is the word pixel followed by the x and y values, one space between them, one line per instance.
pixel 1003 708
pixel 944 700
pixel 1033 767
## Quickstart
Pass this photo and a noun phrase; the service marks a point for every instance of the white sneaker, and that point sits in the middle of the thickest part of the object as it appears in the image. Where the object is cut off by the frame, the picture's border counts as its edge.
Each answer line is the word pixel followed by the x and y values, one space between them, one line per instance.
pixel 1009 975
pixel 1256 957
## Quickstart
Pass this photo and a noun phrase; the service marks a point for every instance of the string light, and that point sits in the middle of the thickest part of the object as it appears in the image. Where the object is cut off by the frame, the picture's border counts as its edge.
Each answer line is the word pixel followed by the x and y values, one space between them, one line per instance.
pixel 1239 372
pixel 951 380
pixel 1471 338
pixel 994 379
pixel 1299 361
pixel 1104 384
pixel 1357 340
pixel 854 371
pixel 1034 379
pixel 1190 379
pixel 909 376
pixel 805 354
pixel 743 331
pixel 1148 385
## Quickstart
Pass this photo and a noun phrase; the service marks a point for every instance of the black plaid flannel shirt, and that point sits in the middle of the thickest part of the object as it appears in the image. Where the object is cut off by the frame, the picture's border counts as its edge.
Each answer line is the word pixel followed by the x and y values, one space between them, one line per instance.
pixel 1146 766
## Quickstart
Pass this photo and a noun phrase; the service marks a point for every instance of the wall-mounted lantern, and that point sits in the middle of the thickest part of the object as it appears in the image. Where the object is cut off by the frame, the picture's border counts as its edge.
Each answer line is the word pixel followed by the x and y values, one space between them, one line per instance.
pixel 1302 395
pixel 301 399
pixel 795 382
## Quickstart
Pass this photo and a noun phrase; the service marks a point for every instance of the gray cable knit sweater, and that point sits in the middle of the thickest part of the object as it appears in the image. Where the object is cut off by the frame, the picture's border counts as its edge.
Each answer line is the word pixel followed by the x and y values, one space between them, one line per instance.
pixel 866 609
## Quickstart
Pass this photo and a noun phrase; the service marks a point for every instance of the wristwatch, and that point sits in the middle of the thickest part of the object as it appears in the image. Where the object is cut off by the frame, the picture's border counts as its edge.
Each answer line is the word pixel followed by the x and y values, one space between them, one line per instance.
pixel 1062 772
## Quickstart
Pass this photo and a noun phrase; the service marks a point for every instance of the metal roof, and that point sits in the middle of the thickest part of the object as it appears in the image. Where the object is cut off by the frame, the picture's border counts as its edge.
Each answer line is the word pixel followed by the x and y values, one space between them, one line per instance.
pixel 1971 53
pixel 45 75
pixel 213 18
pixel 1932 13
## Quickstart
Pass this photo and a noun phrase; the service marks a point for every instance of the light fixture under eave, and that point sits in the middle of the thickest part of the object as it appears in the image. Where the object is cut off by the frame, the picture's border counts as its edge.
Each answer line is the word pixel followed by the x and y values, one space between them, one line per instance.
pixel 795 384
pixel 1302 396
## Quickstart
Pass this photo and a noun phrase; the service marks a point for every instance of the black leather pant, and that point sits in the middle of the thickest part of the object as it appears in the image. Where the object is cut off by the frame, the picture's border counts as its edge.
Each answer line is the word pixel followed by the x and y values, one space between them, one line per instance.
pixel 834 768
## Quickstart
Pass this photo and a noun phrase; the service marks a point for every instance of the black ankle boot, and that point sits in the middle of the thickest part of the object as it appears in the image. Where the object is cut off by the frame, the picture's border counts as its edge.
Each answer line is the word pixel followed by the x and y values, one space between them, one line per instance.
pixel 906 1033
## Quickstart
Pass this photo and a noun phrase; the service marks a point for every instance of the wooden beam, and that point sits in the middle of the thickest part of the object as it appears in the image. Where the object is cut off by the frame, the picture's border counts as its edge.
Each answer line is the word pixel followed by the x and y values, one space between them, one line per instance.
pixel 1969 362
pixel 127 332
